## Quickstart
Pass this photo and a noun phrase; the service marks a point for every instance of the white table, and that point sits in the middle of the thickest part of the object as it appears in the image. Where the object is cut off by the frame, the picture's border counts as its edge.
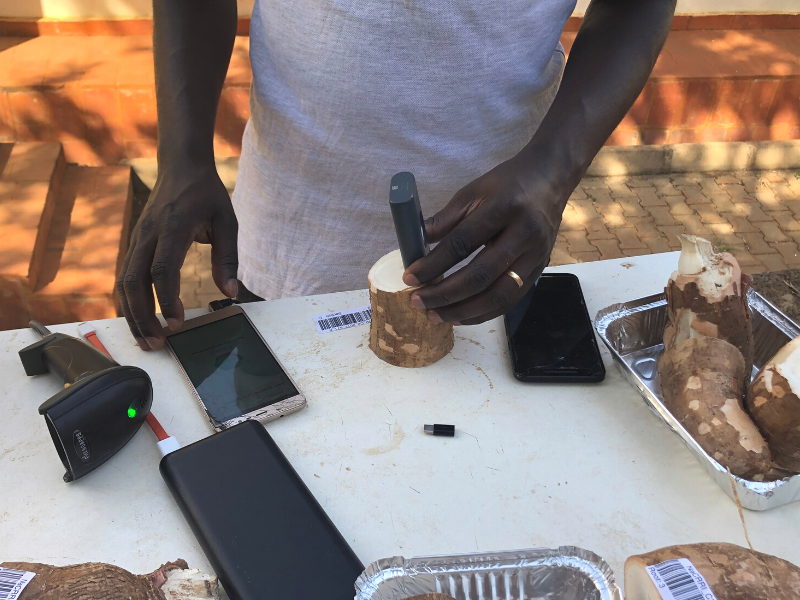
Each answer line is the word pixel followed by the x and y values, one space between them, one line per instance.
pixel 530 466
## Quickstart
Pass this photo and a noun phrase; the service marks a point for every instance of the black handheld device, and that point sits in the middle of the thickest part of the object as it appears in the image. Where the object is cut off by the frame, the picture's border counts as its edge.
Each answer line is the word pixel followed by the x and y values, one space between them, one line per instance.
pixel 550 334
pixel 101 406
pixel 262 530
pixel 407 215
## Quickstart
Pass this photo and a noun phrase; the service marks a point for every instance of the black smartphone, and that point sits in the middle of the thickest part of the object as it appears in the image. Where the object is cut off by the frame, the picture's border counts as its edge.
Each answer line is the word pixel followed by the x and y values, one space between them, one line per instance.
pixel 550 334
pixel 264 533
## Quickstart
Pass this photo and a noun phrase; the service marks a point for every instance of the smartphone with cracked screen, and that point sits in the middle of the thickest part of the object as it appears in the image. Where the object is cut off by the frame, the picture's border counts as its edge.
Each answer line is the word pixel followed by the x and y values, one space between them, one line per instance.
pixel 232 370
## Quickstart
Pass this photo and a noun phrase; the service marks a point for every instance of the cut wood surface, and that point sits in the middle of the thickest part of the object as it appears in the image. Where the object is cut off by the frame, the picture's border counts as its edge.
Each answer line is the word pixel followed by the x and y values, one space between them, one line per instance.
pixel 399 333
pixel 702 384
pixel 98 581
pixel 774 403
pixel 707 296
pixel 732 572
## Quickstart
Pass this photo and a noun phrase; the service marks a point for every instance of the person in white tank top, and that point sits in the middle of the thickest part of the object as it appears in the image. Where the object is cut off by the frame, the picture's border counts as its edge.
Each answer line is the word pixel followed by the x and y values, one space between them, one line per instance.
pixel 475 97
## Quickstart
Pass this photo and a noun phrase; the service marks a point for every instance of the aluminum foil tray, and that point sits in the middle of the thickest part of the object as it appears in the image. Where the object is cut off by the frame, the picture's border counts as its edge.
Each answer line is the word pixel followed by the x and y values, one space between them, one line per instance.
pixel 568 573
pixel 633 332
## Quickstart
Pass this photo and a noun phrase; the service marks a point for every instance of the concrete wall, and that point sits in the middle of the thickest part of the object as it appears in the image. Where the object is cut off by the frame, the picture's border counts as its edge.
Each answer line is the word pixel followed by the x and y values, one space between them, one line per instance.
pixel 131 9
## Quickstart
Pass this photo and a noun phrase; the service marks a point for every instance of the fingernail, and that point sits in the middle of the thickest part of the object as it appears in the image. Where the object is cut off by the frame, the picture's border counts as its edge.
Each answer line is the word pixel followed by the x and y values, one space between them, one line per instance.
pixel 154 343
pixel 142 344
pixel 417 302
pixel 434 317
pixel 232 287
pixel 173 323
pixel 410 279
pixel 457 323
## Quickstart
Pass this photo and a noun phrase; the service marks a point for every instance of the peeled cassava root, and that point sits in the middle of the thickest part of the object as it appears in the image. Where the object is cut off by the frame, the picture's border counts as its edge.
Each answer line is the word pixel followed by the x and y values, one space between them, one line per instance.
pixel 399 333
pixel 707 296
pixel 732 573
pixel 774 403
pixel 702 381
pixel 98 581
pixel 708 358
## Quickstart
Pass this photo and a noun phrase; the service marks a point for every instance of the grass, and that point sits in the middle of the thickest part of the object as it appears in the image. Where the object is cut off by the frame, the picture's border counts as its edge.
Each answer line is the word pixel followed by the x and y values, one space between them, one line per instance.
pixel 721 246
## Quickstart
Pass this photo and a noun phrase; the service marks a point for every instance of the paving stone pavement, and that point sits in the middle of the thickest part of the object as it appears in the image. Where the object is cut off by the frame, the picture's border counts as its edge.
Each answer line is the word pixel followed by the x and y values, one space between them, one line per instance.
pixel 753 215
pixel 197 284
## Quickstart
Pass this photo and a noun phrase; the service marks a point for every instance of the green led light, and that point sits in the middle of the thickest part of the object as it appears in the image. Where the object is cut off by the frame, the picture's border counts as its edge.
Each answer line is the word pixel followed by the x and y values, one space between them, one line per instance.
pixel 131 412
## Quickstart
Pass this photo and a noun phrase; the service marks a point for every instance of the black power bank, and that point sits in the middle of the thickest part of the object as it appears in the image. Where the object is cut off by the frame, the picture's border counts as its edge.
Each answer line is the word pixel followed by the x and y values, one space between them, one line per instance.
pixel 263 532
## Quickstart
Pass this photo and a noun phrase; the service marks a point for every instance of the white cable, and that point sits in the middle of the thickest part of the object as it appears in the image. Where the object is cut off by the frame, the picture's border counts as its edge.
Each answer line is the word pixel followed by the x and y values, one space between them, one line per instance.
pixel 85 329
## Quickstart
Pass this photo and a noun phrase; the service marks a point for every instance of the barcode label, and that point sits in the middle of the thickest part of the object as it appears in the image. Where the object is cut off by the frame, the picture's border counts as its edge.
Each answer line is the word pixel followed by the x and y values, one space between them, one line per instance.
pixel 13 582
pixel 679 580
pixel 342 320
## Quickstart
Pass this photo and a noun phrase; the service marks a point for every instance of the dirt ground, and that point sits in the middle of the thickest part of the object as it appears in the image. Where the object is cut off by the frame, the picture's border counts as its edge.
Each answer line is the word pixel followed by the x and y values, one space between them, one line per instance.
pixel 782 288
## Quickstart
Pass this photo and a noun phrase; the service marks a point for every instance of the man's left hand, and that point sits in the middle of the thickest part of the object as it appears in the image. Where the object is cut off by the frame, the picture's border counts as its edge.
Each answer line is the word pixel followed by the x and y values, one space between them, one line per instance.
pixel 514 212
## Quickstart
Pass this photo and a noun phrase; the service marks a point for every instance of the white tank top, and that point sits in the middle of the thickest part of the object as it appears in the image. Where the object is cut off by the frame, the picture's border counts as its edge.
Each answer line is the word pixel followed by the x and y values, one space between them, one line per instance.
pixel 346 93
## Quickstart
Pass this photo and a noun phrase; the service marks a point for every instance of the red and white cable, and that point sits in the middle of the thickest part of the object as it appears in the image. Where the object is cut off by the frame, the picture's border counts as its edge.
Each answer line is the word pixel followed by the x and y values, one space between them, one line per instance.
pixel 166 443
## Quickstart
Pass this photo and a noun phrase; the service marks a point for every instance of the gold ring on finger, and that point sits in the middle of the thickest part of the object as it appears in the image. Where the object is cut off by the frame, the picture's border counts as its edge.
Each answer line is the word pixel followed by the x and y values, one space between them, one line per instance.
pixel 515 277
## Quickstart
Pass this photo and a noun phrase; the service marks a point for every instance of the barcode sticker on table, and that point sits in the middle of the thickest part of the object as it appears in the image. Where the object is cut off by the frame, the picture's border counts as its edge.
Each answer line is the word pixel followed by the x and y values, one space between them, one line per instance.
pixel 13 582
pixel 342 320
pixel 679 580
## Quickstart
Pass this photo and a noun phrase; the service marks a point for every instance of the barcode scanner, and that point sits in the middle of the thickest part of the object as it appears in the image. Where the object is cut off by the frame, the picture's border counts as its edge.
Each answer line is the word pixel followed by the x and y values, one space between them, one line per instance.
pixel 407 215
pixel 101 406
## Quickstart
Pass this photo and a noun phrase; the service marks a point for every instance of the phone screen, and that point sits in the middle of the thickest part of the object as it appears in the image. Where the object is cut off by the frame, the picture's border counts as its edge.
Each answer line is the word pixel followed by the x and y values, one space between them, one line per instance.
pixel 231 368
pixel 550 334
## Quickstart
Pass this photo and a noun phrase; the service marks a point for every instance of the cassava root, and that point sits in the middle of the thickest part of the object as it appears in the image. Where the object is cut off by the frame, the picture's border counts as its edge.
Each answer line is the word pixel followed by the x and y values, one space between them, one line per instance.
pixel 732 572
pixel 98 581
pixel 707 297
pixel 701 380
pixel 774 403
pixel 708 358
pixel 399 333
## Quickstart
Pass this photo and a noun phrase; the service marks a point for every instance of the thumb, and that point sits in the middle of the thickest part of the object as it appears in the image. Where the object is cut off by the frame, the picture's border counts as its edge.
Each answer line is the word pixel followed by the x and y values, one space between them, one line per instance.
pixel 444 221
pixel 225 255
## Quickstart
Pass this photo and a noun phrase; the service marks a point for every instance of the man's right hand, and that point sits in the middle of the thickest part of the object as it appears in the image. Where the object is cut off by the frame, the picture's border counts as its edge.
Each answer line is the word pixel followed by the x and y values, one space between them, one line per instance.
pixel 185 206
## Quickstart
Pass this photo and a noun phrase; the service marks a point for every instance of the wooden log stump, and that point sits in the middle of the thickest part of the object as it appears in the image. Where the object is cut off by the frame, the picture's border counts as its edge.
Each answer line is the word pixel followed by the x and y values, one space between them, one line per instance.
pixel 399 333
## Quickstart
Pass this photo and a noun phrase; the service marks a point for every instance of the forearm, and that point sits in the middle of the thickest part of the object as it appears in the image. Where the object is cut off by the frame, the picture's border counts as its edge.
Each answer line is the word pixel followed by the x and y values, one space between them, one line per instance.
pixel 192 45
pixel 610 61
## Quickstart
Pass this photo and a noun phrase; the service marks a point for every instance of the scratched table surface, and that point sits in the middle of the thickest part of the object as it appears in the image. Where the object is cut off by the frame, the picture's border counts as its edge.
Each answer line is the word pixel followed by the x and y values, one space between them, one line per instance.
pixel 531 465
